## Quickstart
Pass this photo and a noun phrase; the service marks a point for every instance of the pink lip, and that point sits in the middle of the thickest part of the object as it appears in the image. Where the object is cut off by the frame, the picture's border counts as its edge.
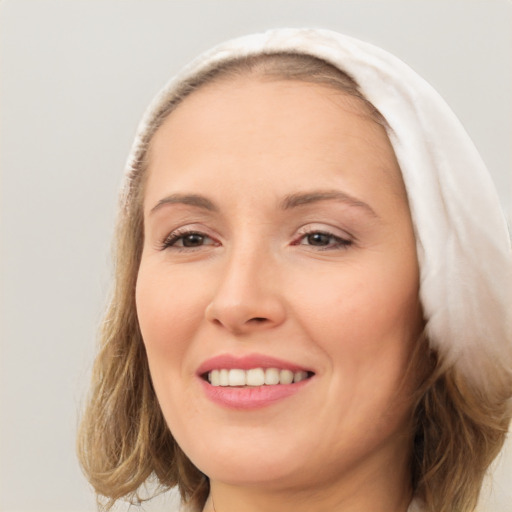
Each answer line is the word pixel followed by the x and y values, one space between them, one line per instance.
pixel 249 397
pixel 247 362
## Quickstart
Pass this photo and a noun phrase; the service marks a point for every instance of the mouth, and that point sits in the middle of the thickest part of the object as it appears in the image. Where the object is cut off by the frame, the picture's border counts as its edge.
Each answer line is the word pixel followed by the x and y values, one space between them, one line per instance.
pixel 254 377
pixel 252 381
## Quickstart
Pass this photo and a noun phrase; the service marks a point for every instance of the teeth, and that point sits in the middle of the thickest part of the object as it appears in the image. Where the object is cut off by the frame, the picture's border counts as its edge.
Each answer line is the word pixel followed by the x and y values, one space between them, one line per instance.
pixel 254 377
pixel 214 378
pixel 224 377
pixel 237 377
pixel 298 376
pixel 271 376
pixel 285 377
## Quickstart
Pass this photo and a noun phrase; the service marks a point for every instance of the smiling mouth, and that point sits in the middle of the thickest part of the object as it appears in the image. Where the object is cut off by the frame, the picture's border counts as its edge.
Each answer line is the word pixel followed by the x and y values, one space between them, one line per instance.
pixel 254 377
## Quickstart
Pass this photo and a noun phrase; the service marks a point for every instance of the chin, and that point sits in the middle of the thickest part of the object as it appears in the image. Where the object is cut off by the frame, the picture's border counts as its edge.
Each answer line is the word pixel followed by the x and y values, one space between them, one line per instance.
pixel 250 461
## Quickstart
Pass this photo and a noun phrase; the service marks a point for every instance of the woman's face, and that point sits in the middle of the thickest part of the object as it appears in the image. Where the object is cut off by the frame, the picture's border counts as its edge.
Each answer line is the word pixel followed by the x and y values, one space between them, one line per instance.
pixel 278 244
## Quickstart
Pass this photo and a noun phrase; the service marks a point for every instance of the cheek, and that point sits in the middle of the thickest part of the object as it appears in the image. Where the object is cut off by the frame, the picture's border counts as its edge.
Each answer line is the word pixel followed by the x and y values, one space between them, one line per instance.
pixel 359 300
pixel 364 319
pixel 365 322
pixel 169 309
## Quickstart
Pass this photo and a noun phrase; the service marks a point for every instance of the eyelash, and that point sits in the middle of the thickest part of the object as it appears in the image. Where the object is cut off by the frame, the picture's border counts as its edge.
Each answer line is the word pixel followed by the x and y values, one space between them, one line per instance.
pixel 339 242
pixel 179 235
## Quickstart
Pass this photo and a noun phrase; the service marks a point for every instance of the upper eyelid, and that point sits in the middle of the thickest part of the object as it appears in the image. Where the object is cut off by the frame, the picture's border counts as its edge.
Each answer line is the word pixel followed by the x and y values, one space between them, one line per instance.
pixel 192 227
pixel 183 232
pixel 318 227
pixel 345 240
pixel 169 239
pixel 302 231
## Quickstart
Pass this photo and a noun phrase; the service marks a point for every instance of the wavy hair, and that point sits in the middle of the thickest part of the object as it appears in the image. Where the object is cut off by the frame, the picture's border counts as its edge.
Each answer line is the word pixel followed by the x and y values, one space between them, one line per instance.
pixel 123 439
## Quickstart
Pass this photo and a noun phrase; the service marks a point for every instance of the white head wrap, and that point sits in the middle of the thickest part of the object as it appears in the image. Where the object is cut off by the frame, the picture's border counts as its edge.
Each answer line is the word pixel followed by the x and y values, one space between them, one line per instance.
pixel 463 243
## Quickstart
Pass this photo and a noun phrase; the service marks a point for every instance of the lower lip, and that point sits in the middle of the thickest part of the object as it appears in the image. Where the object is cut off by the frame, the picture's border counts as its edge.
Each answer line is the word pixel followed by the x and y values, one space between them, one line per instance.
pixel 251 398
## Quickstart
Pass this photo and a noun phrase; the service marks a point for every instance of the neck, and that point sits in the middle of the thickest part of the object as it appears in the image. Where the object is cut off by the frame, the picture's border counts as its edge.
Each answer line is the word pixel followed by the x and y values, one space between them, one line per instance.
pixel 388 491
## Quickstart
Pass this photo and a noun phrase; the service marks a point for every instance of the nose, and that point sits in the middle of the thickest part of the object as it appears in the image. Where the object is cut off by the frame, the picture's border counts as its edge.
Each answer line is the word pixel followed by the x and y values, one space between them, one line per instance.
pixel 248 297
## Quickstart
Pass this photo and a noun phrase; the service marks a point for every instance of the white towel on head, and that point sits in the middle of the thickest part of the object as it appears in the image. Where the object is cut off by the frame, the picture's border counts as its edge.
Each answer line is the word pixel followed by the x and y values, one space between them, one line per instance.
pixel 463 244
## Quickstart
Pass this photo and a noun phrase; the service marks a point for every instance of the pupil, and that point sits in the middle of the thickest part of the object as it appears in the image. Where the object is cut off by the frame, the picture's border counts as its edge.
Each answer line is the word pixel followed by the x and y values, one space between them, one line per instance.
pixel 192 240
pixel 319 239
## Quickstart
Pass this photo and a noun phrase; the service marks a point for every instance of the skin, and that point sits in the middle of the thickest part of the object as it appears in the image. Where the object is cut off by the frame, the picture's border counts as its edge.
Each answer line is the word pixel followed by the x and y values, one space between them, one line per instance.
pixel 257 283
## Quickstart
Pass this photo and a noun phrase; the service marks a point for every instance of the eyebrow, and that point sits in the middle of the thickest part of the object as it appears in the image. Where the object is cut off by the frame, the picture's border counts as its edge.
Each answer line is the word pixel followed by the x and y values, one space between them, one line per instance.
pixel 290 201
pixel 188 199
pixel 301 199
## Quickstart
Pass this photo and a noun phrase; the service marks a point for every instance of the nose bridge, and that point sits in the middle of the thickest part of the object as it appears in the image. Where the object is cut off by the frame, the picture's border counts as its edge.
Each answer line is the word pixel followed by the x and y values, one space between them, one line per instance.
pixel 248 296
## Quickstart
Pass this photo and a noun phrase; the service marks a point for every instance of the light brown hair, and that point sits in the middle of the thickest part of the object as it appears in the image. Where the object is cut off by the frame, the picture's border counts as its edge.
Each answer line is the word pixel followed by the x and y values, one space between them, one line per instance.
pixel 123 439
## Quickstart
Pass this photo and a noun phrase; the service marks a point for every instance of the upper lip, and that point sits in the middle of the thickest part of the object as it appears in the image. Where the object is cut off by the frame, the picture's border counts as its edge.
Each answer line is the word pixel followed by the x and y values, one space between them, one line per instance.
pixel 229 361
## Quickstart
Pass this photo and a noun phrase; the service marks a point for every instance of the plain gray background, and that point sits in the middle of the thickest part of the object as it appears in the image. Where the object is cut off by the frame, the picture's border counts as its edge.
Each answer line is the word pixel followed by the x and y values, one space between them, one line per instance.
pixel 75 78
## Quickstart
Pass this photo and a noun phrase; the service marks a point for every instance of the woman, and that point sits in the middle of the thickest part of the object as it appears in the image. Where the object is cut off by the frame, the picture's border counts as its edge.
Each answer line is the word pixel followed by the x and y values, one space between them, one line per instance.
pixel 312 291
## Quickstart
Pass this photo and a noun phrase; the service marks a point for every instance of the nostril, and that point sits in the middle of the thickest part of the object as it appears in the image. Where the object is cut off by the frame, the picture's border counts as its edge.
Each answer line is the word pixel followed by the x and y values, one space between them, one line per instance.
pixel 258 319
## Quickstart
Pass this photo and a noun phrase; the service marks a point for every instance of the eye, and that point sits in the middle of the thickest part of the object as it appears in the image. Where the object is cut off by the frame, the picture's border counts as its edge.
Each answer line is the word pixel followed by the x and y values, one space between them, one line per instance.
pixel 187 240
pixel 323 240
pixel 319 239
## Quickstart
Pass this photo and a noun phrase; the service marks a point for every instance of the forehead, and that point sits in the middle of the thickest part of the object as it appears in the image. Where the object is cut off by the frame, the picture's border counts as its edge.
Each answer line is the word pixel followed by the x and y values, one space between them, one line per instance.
pixel 249 123
pixel 225 94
